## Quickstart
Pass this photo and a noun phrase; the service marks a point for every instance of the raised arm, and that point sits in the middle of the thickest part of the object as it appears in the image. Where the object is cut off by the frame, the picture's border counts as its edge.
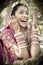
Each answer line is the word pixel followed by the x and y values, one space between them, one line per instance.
pixel 35 48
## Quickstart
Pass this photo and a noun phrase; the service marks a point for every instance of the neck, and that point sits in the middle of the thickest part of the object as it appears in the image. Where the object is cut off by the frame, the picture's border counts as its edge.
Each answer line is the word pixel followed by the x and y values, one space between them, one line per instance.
pixel 23 29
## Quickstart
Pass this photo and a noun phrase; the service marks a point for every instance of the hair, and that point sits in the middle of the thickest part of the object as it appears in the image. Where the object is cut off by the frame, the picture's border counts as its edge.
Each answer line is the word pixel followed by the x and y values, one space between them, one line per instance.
pixel 16 7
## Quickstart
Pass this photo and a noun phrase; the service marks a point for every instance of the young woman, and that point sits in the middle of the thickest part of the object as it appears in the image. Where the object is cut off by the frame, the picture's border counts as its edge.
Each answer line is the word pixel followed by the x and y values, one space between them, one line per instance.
pixel 13 36
pixel 16 37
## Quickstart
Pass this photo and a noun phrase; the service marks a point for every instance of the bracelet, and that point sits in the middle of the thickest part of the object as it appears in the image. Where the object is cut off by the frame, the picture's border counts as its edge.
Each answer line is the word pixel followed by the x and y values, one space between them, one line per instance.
pixel 35 42
pixel 34 36
pixel 22 46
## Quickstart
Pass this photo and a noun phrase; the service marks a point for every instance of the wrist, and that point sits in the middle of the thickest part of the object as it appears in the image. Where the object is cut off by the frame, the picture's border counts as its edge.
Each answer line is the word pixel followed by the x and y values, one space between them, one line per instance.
pixel 20 38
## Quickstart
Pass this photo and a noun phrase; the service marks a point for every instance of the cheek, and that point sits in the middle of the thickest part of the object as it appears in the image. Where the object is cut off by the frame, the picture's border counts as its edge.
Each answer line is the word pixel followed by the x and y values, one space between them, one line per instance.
pixel 18 16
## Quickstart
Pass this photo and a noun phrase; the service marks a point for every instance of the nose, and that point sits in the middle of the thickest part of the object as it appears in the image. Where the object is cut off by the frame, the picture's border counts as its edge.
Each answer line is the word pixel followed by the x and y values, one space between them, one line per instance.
pixel 25 16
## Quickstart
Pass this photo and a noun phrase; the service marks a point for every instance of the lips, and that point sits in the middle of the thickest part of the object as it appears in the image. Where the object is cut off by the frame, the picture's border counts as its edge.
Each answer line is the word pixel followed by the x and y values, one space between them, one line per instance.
pixel 23 20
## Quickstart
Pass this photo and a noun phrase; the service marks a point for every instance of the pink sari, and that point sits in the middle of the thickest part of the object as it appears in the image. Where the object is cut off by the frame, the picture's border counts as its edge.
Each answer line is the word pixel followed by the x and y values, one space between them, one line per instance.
pixel 7 39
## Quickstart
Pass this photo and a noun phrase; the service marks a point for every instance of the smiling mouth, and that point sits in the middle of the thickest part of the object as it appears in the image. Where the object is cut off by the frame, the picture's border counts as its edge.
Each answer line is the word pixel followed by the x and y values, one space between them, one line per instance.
pixel 23 21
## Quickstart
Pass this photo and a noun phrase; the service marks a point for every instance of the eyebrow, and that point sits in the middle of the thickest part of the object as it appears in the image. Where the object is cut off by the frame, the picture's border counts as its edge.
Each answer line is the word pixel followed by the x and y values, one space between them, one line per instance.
pixel 23 9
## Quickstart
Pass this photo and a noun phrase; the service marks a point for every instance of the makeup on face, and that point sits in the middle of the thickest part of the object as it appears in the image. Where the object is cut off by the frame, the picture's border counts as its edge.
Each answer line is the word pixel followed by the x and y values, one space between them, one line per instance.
pixel 22 15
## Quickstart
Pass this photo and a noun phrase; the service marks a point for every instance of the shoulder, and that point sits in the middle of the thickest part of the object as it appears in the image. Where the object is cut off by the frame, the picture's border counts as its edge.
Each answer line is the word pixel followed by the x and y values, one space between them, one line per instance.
pixel 8 31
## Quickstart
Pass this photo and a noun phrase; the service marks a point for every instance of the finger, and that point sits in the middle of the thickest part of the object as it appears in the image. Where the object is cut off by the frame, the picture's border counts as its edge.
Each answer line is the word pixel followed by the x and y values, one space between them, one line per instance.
pixel 34 19
pixel 29 23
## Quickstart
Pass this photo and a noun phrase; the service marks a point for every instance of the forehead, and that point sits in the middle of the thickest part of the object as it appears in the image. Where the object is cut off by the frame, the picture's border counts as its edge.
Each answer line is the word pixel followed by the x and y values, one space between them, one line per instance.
pixel 24 8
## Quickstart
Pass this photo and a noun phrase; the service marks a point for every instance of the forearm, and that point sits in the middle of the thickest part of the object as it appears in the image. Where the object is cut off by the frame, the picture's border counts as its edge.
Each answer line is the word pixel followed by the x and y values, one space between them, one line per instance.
pixel 20 38
pixel 22 45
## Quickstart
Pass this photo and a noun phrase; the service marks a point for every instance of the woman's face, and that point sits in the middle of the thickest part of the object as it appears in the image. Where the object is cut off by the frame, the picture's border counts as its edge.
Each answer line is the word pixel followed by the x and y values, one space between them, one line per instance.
pixel 22 15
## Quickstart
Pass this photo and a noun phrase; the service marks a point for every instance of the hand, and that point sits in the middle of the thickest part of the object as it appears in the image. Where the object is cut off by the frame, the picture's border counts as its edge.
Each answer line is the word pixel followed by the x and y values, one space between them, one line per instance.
pixel 29 24
pixel 29 29
pixel 13 24
pixel 15 49
pixel 34 23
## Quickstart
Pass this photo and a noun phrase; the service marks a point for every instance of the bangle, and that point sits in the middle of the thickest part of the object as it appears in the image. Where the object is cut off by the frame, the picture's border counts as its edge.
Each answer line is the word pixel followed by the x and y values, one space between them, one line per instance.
pixel 35 42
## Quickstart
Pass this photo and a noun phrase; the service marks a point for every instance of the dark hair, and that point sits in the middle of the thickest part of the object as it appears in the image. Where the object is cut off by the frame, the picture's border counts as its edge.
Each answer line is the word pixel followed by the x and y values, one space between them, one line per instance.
pixel 16 7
